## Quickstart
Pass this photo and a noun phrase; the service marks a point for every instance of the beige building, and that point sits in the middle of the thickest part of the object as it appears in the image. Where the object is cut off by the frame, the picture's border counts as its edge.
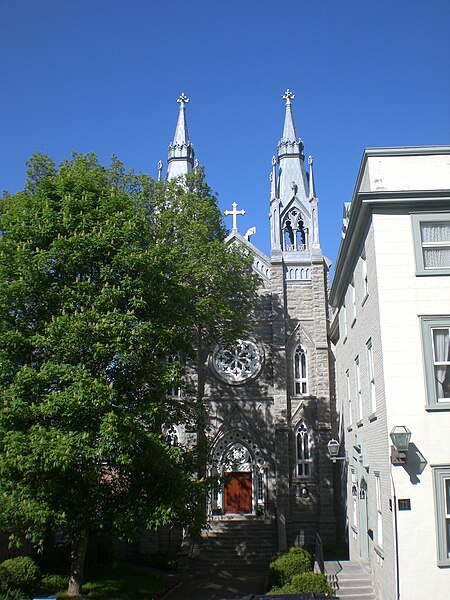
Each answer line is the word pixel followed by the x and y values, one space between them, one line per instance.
pixel 391 333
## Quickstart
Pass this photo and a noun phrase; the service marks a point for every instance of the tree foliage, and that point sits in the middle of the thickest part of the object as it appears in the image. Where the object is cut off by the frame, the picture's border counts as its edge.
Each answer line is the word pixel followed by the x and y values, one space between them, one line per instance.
pixel 104 274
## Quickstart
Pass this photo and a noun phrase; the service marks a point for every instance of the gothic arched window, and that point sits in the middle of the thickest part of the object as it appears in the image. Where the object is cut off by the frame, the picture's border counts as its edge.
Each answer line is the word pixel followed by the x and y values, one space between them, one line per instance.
pixel 295 234
pixel 303 447
pixel 173 360
pixel 300 371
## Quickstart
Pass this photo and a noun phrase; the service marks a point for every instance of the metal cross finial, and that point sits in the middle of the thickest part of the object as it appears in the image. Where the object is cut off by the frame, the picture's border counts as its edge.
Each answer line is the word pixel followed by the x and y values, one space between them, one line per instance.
pixel 288 96
pixel 182 99
pixel 235 212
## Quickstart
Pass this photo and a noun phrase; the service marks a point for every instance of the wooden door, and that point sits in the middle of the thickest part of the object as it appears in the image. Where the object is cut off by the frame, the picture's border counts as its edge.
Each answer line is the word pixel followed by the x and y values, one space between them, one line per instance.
pixel 238 492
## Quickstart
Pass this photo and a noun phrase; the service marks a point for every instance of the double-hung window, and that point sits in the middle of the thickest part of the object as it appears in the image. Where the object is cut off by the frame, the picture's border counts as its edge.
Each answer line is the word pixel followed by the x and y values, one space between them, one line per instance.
pixel 371 377
pixel 441 480
pixel 436 349
pixel 379 537
pixel 358 389
pixel 432 243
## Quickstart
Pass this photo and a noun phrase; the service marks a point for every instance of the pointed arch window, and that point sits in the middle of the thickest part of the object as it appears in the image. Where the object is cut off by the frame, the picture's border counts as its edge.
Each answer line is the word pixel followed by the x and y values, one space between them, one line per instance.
pixel 295 234
pixel 303 440
pixel 300 371
pixel 173 360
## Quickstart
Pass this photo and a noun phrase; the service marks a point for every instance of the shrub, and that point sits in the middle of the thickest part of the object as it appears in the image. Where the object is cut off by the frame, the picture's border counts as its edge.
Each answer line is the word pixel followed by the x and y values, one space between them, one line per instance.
pixel 20 572
pixel 11 594
pixel 311 582
pixel 292 562
pixel 303 583
pixel 53 583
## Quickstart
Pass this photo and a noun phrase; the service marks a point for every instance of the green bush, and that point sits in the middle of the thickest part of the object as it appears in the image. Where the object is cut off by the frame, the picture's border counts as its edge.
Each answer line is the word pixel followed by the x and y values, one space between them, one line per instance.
pixel 311 582
pixel 303 583
pixel 292 562
pixel 54 583
pixel 11 594
pixel 20 572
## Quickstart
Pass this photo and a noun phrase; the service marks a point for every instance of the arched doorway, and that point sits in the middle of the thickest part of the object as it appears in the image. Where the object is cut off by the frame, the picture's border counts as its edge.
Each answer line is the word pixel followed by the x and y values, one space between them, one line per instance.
pixel 242 475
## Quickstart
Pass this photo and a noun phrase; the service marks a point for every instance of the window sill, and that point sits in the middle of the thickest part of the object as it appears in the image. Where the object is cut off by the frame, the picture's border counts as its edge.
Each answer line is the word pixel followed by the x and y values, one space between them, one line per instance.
pixel 359 423
pixel 438 272
pixel 437 407
pixel 442 563
pixel 353 322
pixel 345 339
pixel 350 427
pixel 364 300
pixel 354 529
pixel 379 551
pixel 372 417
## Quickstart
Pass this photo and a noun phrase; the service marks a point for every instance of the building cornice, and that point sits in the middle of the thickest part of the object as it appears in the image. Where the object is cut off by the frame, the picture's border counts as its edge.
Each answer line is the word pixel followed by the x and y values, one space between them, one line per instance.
pixel 363 204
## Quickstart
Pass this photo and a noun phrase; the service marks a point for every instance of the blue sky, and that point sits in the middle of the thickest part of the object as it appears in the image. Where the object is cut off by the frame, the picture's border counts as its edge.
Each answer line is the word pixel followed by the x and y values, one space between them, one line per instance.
pixel 104 75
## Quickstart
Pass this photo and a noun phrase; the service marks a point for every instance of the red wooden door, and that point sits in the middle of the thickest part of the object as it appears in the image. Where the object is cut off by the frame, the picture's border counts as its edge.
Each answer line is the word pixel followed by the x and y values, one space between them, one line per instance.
pixel 238 492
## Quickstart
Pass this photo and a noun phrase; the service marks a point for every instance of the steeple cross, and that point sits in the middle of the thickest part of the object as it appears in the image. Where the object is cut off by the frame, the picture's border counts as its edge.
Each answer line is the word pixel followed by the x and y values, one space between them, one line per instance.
pixel 182 99
pixel 235 212
pixel 288 96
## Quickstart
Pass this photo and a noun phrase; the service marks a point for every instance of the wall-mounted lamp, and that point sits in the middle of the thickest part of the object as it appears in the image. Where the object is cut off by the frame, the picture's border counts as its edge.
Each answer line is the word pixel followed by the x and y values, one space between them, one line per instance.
pixel 333 451
pixel 400 436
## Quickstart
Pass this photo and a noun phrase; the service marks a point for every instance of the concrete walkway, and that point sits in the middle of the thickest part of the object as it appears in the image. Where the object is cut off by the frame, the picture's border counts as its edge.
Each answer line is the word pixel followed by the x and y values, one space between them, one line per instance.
pixel 219 585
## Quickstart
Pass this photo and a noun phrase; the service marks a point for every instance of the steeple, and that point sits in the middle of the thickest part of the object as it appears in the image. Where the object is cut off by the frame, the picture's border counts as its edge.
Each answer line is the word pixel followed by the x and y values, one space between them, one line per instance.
pixel 293 203
pixel 181 151
pixel 291 158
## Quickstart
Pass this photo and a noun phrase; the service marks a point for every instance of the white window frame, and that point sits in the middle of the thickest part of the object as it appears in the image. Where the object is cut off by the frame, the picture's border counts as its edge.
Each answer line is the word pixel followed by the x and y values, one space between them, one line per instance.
pixel 300 367
pixel 303 451
pixel 429 324
pixel 174 391
pixel 379 532
pixel 358 389
pixel 365 285
pixel 343 314
pixel 349 398
pixel 420 247
pixel 352 302
pixel 371 377
pixel 441 484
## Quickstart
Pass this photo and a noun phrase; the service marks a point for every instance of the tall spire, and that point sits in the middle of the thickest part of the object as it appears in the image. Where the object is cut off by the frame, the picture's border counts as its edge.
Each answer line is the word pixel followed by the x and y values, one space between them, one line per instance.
pixel 181 151
pixel 291 158
pixel 289 133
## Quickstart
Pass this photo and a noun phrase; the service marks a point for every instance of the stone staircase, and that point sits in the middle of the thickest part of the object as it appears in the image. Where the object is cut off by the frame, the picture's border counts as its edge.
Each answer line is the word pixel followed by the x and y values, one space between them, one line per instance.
pixel 233 545
pixel 351 581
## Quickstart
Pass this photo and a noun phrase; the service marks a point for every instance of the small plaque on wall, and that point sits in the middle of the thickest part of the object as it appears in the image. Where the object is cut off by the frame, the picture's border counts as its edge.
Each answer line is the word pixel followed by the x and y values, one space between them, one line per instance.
pixel 404 504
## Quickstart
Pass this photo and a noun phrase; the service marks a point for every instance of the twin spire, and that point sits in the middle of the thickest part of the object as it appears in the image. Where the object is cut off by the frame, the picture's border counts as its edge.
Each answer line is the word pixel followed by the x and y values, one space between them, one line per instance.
pixel 181 159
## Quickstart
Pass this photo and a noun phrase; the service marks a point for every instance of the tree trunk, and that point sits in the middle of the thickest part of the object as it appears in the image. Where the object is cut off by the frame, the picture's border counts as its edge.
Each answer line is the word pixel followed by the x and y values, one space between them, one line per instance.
pixel 77 556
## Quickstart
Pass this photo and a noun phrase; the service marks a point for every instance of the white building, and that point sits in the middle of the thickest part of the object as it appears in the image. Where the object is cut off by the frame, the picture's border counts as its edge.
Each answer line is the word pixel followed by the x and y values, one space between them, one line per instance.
pixel 391 334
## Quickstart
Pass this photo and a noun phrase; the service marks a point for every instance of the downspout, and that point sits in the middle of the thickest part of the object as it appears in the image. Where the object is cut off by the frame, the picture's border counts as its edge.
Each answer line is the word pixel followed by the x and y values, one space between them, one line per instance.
pixel 397 562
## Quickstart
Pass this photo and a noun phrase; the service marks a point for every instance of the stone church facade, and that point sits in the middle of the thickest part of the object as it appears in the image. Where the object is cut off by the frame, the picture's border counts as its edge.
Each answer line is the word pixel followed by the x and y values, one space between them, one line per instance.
pixel 270 409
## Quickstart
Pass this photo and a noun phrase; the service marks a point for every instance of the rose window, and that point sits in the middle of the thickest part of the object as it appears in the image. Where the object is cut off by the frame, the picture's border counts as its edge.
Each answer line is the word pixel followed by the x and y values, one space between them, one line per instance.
pixel 237 364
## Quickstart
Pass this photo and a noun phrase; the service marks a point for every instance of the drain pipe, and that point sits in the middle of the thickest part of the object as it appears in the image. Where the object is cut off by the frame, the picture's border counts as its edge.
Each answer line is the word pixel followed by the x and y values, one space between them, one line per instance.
pixel 397 563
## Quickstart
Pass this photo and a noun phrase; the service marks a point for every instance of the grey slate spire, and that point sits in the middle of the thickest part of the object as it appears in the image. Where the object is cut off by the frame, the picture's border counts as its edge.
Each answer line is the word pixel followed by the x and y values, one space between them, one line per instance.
pixel 291 158
pixel 181 151
pixel 293 203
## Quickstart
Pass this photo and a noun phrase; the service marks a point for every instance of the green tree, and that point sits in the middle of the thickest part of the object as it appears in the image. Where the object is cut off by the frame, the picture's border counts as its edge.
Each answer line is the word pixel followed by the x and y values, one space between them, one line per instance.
pixel 104 274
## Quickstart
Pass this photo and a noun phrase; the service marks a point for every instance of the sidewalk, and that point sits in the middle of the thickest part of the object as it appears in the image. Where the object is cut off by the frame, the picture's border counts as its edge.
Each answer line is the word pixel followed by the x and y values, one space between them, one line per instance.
pixel 219 585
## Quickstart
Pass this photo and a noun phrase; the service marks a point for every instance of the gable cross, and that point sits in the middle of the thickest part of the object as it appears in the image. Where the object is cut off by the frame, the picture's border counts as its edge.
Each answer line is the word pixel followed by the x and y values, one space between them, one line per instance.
pixel 235 212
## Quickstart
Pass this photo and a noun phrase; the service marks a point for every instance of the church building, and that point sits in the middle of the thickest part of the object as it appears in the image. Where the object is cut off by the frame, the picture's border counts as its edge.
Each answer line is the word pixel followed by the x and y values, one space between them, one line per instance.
pixel 270 408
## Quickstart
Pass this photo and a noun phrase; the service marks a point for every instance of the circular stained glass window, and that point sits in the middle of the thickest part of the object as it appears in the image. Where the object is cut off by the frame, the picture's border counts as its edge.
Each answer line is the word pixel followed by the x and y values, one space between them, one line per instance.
pixel 237 364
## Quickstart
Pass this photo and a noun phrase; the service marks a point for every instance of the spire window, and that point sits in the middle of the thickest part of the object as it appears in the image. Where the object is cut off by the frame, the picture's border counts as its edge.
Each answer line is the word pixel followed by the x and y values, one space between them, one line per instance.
pixel 300 371
pixel 295 234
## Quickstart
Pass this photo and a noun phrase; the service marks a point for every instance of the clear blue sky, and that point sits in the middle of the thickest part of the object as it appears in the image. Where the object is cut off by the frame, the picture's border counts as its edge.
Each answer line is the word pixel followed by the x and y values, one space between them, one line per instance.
pixel 104 75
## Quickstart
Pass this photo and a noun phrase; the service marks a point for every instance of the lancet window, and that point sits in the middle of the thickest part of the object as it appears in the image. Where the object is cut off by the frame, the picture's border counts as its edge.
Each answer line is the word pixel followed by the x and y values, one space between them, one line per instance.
pixel 295 234
pixel 173 361
pixel 304 451
pixel 300 371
